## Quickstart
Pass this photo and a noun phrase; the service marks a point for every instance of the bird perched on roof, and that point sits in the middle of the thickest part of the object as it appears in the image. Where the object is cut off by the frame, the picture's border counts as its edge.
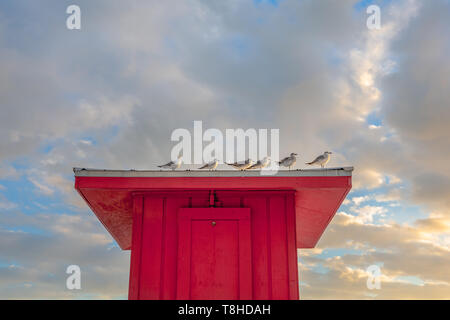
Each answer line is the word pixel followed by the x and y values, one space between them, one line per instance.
pixel 172 164
pixel 321 160
pixel 260 164
pixel 242 165
pixel 289 161
pixel 211 165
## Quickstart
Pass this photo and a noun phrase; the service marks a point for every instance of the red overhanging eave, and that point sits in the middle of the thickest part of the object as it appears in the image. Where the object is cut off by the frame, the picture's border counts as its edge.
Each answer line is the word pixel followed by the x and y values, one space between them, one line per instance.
pixel 317 198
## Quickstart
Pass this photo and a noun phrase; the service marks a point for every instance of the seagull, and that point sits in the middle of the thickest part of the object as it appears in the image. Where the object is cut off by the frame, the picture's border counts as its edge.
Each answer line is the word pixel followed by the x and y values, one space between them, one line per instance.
pixel 261 163
pixel 289 161
pixel 321 160
pixel 211 165
pixel 172 164
pixel 242 165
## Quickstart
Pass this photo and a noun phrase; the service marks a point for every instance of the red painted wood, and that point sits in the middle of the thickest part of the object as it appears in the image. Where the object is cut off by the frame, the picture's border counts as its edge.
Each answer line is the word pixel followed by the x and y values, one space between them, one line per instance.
pixel 317 198
pixel 214 260
pixel 269 225
pixel 289 213
pixel 278 248
pixel 199 201
pixel 261 285
pixel 291 248
pixel 135 260
pixel 184 257
pixel 207 183
pixel 245 257
pixel 169 261
pixel 151 252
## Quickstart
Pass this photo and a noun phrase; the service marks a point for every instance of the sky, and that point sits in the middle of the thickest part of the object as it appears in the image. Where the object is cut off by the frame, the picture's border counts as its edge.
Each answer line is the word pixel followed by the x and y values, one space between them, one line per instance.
pixel 109 96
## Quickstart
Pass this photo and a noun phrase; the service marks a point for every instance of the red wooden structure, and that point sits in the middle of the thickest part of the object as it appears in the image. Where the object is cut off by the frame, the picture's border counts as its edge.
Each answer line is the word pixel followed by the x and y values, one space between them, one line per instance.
pixel 214 235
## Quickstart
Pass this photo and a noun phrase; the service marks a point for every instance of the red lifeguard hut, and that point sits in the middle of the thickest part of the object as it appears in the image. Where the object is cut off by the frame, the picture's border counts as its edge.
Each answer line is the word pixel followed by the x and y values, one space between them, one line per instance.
pixel 214 235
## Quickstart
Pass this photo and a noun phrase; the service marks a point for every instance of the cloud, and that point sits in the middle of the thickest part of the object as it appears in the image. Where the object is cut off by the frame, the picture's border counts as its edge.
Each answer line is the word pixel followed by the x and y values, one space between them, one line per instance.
pixel 5 204
pixel 8 172
pixel 358 200
pixel 45 245
pixel 411 263
pixel 437 225
pixel 367 213
pixel 110 96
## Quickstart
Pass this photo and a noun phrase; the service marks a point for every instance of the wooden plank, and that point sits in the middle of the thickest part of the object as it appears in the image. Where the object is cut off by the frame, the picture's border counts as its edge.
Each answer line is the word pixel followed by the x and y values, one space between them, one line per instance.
pixel 135 259
pixel 291 247
pixel 169 259
pixel 245 258
pixel 260 243
pixel 151 248
pixel 278 248
pixel 184 256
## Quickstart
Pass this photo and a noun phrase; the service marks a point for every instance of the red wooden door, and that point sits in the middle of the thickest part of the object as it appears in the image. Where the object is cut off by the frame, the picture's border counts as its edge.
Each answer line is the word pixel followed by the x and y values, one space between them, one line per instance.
pixel 214 254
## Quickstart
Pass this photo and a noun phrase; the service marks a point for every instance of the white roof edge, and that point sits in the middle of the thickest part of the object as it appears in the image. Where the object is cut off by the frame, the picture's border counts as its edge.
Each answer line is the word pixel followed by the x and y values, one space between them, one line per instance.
pixel 325 172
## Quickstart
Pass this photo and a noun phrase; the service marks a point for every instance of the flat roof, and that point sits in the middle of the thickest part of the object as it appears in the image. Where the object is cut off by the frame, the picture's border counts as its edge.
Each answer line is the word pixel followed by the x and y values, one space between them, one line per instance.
pixel 320 172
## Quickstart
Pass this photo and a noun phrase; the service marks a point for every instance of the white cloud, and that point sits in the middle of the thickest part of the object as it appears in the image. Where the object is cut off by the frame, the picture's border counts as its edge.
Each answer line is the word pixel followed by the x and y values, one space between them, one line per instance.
pixel 358 200
pixel 126 85
pixel 6 205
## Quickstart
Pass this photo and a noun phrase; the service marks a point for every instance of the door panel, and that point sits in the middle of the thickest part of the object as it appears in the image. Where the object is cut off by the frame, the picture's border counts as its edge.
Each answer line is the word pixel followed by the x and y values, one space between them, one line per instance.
pixel 214 259
pixel 214 253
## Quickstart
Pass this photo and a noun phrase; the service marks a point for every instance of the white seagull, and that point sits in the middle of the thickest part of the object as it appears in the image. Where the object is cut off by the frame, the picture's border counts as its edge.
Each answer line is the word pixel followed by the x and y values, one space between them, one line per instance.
pixel 211 165
pixel 289 161
pixel 321 160
pixel 261 163
pixel 172 164
pixel 242 165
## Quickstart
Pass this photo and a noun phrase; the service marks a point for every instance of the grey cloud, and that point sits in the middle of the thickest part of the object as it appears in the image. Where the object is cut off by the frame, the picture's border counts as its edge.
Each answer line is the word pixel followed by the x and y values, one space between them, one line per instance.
pixel 153 68
pixel 34 263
